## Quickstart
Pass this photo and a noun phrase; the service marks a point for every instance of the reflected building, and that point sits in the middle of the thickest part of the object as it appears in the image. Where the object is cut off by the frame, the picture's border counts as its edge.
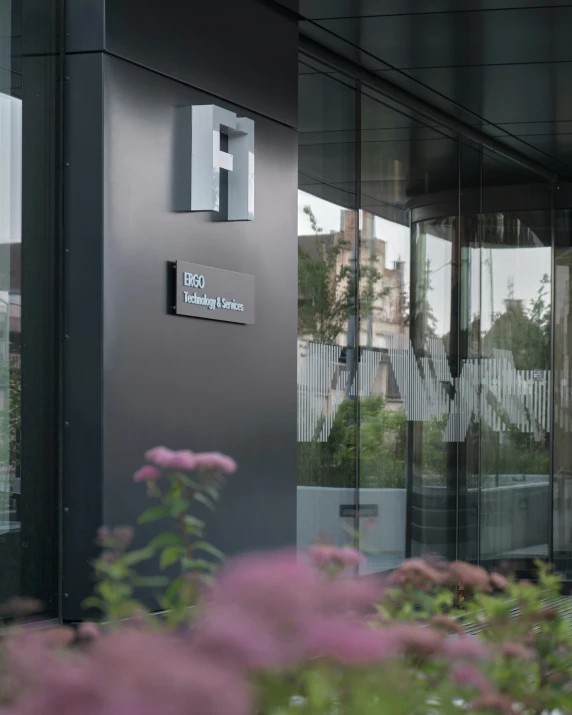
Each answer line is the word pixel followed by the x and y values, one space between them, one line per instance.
pixel 431 410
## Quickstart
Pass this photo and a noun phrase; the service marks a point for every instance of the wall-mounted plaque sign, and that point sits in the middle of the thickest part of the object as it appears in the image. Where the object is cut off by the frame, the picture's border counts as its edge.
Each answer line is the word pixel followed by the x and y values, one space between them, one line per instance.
pixel 362 511
pixel 205 292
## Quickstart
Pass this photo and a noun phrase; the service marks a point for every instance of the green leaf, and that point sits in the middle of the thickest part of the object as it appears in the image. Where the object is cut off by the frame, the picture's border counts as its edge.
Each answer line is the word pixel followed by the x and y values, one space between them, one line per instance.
pixel 152 514
pixel 170 555
pixel 111 591
pixel 151 581
pixel 115 570
pixel 212 491
pixel 174 588
pixel 198 565
pixel 179 506
pixel 168 539
pixel 203 499
pixel 194 525
pixel 135 557
pixel 319 689
pixel 187 481
pixel 92 602
pixel 208 548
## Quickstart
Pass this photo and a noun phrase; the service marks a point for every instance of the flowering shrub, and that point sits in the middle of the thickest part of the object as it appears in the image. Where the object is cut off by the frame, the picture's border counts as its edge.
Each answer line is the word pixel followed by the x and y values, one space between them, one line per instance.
pixel 178 481
pixel 286 633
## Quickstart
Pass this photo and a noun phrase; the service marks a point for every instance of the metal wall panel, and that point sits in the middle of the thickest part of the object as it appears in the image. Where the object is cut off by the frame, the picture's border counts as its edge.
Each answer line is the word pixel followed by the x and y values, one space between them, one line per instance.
pixel 187 382
pixel 136 375
pixel 241 51
pixel 83 321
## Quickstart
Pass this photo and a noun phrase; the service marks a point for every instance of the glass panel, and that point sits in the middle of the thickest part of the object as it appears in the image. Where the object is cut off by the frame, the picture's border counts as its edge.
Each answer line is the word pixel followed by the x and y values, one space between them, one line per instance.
pixel 563 393
pixel 468 393
pixel 409 169
pixel 449 442
pixel 384 294
pixel 433 434
pixel 10 299
pixel 28 236
pixel 516 279
pixel 327 365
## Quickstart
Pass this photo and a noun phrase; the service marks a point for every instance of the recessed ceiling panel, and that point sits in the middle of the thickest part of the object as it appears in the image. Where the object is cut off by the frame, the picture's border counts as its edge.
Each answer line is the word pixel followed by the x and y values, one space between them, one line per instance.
pixel 500 95
pixel 502 66
pixel 315 9
pixel 453 39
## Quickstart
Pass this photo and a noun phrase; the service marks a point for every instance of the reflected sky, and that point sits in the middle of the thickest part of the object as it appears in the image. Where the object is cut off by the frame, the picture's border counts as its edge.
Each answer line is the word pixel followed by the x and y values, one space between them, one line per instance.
pixel 521 268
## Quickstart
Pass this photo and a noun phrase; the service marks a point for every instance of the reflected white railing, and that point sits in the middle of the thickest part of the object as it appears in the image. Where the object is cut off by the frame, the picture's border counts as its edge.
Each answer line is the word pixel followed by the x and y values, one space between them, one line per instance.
pixel 491 388
pixel 10 232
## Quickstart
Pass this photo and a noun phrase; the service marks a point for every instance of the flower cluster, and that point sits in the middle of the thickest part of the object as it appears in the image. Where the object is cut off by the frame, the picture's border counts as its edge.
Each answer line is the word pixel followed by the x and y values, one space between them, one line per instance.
pixel 160 459
pixel 426 575
pixel 276 632
pixel 325 556
pixel 287 632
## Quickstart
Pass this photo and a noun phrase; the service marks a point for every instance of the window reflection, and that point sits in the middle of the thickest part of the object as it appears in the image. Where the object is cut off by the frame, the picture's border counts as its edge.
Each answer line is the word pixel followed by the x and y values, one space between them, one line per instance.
pixel 515 378
pixel 431 390
pixel 563 393
pixel 424 340
pixel 327 305
pixel 10 315
pixel 384 297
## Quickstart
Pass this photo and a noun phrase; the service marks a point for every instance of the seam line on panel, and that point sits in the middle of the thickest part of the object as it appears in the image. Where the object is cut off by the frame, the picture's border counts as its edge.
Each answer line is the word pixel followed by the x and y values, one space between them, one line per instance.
pixel 436 12
pixel 459 240
pixel 391 91
pixel 178 80
pixel 357 307
pixel 480 236
pixel 60 320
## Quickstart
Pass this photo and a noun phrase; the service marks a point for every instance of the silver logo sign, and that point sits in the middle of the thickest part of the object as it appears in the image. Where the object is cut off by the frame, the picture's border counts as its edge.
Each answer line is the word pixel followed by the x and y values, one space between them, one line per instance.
pixel 207 159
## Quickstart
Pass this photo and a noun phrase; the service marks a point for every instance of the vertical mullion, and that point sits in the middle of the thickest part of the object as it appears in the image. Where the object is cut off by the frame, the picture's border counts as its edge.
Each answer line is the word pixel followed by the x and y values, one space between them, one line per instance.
pixel 551 380
pixel 480 237
pixel 357 254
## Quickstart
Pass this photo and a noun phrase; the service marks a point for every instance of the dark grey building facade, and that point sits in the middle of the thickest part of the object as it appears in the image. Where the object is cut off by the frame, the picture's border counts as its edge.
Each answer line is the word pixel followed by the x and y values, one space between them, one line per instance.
pixel 407 371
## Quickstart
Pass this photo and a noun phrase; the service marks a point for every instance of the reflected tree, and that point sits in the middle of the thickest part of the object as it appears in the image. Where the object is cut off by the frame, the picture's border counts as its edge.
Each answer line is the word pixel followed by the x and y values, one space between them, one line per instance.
pixel 327 284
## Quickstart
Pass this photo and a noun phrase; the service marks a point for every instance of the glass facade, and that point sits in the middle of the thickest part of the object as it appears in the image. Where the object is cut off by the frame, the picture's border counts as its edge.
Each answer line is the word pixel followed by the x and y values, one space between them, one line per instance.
pixel 29 135
pixel 427 340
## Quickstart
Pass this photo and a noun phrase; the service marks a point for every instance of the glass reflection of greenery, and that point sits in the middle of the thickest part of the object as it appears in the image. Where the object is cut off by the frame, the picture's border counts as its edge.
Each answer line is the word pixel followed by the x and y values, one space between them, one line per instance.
pixel 382 453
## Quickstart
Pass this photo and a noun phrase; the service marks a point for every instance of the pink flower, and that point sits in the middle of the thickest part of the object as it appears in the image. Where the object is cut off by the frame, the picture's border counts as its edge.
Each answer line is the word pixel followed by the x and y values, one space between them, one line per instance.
pixel 145 473
pixel 494 702
pixel 349 643
pixel 242 640
pixel 343 596
pixel 465 647
pixel 88 630
pixel 123 535
pixel 515 650
pixel 184 460
pixel 470 677
pixel 499 582
pixel 159 674
pixel 160 456
pixel 214 462
pixel 324 556
pixel 420 640
pixel 470 575
pixel 124 673
pixel 419 573
pixel 277 586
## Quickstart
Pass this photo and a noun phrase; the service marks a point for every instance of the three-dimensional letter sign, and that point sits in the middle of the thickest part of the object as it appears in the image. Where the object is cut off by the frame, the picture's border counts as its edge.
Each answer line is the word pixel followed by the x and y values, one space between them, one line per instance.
pixel 207 160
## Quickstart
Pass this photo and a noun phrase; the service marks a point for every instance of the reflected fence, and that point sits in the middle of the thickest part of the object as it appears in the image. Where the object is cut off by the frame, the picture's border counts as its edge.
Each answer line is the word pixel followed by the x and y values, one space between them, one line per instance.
pixel 502 515
pixel 490 388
